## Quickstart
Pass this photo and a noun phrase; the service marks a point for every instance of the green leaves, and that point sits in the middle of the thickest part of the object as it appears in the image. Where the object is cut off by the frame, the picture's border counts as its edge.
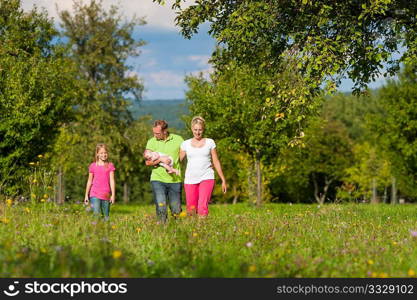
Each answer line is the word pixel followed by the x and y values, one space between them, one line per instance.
pixel 35 90
pixel 100 43
pixel 396 127
pixel 258 33
pixel 266 107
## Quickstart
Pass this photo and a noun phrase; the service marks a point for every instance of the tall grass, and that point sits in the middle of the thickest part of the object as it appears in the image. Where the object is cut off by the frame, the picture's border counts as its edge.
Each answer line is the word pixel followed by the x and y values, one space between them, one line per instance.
pixel 277 240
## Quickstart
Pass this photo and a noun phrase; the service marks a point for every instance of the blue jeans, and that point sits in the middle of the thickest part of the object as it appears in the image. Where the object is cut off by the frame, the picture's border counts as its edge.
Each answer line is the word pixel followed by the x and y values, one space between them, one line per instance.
pixel 100 207
pixel 163 191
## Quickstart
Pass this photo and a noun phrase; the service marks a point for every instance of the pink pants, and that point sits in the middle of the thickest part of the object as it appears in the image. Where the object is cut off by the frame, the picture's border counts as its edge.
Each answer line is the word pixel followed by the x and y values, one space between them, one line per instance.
pixel 198 196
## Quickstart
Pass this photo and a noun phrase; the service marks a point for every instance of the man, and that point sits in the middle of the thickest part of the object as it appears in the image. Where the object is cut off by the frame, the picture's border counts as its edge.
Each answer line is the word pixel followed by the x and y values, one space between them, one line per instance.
pixel 165 184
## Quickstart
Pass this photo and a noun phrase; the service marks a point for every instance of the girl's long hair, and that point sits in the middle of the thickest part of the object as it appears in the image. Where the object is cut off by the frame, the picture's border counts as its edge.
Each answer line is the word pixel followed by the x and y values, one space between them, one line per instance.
pixel 98 148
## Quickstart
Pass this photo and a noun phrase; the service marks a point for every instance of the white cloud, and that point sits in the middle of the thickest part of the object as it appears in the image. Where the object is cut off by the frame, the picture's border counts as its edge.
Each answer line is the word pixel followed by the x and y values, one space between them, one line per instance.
pixel 131 73
pixel 205 72
pixel 201 60
pixel 166 78
pixel 152 62
pixel 156 15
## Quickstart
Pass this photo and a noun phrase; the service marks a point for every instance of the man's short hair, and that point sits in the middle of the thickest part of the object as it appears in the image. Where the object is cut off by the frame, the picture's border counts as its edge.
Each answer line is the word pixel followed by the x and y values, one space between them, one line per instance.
pixel 162 123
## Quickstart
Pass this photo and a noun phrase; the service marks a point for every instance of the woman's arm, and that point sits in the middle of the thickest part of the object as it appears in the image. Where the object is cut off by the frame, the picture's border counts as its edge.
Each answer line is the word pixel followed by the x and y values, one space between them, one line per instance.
pixel 87 188
pixel 182 154
pixel 113 188
pixel 218 167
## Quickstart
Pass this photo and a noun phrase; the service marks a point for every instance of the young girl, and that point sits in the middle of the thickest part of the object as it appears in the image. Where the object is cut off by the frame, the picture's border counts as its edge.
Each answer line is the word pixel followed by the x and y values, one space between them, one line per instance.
pixel 199 174
pixel 101 186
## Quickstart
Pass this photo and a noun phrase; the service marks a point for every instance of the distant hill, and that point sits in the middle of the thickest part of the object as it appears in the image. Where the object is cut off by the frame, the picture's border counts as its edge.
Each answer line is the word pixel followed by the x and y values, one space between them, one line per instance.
pixel 169 110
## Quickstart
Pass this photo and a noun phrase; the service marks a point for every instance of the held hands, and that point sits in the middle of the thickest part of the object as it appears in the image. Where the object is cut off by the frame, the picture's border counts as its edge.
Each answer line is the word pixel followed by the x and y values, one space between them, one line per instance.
pixel 86 201
pixel 112 199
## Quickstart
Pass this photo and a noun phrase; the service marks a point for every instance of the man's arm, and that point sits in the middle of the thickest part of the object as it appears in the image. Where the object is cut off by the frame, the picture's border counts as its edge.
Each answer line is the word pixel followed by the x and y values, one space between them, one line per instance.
pixel 149 162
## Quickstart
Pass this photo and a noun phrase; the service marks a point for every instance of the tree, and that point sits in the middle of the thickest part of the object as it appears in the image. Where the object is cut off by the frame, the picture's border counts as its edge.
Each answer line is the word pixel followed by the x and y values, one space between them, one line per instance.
pixel 320 163
pixel 100 43
pixel 36 91
pixel 353 112
pixel 369 170
pixel 237 168
pixel 254 112
pixel 331 38
pixel 395 128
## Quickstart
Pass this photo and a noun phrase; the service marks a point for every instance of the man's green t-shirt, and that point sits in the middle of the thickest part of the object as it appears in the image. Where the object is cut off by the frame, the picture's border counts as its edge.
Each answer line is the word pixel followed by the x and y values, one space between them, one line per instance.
pixel 170 147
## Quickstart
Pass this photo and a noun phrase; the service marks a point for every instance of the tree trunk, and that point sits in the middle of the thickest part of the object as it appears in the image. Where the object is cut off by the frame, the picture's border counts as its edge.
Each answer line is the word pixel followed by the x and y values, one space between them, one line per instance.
pixel 235 194
pixel 316 188
pixel 60 198
pixel 251 186
pixel 259 180
pixel 321 197
pixel 384 198
pixel 125 193
pixel 374 192
pixel 327 182
pixel 394 191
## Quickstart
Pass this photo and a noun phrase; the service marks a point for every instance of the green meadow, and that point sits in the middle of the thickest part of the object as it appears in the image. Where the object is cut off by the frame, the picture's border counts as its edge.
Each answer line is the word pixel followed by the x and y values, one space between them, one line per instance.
pixel 275 240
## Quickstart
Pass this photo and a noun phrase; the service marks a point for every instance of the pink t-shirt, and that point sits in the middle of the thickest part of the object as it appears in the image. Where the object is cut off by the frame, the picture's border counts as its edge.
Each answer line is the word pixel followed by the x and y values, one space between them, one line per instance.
pixel 100 187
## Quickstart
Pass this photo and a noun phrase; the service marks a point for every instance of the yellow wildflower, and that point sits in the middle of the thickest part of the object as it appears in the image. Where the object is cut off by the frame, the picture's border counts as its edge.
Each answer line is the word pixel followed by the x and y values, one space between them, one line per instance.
pixel 32 163
pixel 43 200
pixel 138 229
pixel 45 196
pixel 279 115
pixel 252 268
pixel 183 214
pixel 9 202
pixel 383 275
pixel 370 262
pixel 161 204
pixel 40 156
pixel 27 210
pixel 4 220
pixel 113 227
pixel 117 254
pixel 411 273
pixel 195 234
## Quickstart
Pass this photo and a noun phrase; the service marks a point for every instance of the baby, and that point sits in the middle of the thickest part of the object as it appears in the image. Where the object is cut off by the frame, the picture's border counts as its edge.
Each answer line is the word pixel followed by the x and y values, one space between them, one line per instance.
pixel 165 160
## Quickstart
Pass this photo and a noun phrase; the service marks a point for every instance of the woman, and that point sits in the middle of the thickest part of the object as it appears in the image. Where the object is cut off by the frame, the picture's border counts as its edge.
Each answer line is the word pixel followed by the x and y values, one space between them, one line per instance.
pixel 199 175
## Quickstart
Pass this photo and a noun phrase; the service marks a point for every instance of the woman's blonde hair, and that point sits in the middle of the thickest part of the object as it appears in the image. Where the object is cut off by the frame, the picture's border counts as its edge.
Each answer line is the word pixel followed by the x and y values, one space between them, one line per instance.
pixel 198 120
pixel 98 148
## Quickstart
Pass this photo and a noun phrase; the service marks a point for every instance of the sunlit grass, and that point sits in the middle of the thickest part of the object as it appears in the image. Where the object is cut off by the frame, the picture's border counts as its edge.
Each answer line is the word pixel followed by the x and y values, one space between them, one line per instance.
pixel 46 240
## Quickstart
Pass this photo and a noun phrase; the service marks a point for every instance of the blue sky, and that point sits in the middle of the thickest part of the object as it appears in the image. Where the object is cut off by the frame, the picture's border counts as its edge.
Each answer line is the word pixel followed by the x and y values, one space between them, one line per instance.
pixel 167 57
